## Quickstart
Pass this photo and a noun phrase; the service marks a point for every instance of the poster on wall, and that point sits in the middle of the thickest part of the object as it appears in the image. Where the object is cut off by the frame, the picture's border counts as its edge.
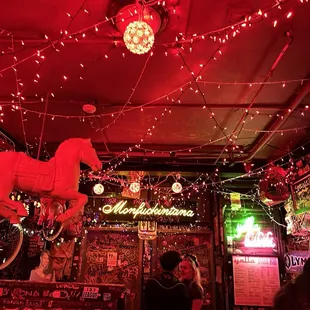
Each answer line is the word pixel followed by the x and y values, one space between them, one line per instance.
pixel 112 259
pixel 298 208
pixel 302 194
pixel 295 261
pixel 256 280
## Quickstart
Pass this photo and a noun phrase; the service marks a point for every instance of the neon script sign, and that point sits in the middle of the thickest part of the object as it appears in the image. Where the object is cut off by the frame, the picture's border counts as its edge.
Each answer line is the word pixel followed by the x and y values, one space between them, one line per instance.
pixel 254 237
pixel 142 209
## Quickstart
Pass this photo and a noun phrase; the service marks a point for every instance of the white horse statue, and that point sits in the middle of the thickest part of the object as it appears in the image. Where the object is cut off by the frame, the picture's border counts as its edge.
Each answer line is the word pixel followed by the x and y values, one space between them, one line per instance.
pixel 57 178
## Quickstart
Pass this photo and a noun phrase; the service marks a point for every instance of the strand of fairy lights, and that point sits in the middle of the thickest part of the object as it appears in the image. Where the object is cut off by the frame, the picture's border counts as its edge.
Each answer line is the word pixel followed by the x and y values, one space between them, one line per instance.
pixel 40 64
pixel 256 172
pixel 282 82
pixel 242 120
pixel 248 20
pixel 132 92
pixel 78 116
pixel 153 151
pixel 111 114
pixel 215 188
pixel 167 194
pixel 96 25
pixel 65 77
pixel 17 83
pixel 261 170
pixel 52 43
pixel 254 199
pixel 157 119
pixel 130 149
pixel 194 37
pixel 206 106
pixel 8 103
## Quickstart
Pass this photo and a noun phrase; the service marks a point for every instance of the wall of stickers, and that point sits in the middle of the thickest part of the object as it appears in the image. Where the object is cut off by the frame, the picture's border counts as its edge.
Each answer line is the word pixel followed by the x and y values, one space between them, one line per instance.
pixel 112 257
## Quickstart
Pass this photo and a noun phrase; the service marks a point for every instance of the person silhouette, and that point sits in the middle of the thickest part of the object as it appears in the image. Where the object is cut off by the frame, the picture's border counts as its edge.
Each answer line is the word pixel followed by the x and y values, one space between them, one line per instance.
pixel 295 296
pixel 166 292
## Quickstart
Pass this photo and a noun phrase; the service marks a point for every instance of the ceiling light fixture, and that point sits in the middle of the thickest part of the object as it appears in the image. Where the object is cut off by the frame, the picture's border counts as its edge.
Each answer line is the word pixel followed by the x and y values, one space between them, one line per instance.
pixel 98 189
pixel 139 37
pixel 134 187
pixel 89 108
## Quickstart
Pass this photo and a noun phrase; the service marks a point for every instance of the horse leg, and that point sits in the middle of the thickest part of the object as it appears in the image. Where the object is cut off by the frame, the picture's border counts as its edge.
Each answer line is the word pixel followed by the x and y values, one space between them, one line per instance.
pixel 5 190
pixel 8 214
pixel 80 200
pixel 14 205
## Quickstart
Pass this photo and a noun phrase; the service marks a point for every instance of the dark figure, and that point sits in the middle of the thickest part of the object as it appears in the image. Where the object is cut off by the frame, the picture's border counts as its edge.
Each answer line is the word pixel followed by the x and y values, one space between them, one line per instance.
pixel 295 296
pixel 166 292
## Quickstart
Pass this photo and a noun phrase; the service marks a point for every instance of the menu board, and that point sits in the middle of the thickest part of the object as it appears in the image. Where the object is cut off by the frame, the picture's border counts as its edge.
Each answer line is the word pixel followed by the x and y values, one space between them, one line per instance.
pixel 256 280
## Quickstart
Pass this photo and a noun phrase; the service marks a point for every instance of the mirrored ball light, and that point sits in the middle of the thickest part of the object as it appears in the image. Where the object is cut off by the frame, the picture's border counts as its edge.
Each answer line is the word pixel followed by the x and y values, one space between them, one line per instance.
pixel 139 37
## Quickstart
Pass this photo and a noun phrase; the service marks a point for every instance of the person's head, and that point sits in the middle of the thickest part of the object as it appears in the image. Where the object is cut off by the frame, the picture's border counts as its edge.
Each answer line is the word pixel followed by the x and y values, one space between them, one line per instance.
pixel 306 268
pixel 189 268
pixel 170 260
pixel 45 261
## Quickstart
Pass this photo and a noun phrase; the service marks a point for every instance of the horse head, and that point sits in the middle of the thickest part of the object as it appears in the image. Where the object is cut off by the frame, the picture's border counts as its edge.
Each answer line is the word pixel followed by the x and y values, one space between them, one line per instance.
pixel 84 150
pixel 88 156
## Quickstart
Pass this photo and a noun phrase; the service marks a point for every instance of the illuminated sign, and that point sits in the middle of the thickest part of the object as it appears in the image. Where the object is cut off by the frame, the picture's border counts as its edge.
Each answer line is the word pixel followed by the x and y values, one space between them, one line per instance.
pixel 254 237
pixel 258 239
pixel 143 210
pixel 295 261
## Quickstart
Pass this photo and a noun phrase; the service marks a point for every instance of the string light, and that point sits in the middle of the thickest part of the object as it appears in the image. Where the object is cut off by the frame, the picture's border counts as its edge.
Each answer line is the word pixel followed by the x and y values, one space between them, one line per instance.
pixel 214 34
pixel 65 78
pixel 156 119
pixel 250 84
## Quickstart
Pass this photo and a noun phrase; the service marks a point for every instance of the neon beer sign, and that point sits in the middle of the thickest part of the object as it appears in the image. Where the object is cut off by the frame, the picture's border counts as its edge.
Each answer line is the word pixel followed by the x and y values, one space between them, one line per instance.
pixel 254 237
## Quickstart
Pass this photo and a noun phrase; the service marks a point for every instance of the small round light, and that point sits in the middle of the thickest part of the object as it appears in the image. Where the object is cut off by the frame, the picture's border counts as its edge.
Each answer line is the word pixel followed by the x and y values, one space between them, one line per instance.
pixel 177 187
pixel 98 189
pixel 134 187
pixel 139 37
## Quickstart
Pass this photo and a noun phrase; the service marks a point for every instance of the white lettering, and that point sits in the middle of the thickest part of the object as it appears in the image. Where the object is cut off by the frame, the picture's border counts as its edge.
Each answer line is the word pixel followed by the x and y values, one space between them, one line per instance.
pixel 258 239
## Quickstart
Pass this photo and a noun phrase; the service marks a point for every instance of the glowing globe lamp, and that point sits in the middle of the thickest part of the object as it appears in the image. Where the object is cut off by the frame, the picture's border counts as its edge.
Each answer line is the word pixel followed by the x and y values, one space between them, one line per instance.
pixel 177 187
pixel 135 187
pixel 98 189
pixel 139 37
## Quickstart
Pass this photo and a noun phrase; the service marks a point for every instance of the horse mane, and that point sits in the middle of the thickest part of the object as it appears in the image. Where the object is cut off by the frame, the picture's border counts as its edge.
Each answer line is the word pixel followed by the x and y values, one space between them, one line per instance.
pixel 69 142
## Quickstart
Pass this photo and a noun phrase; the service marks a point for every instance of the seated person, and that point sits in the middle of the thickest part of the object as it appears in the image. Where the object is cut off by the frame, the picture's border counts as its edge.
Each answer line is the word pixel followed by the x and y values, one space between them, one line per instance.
pixel 44 272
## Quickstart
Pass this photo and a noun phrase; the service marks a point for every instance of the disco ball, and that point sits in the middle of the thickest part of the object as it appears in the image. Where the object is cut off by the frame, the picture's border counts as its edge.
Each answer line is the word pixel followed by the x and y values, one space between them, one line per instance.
pixel 139 37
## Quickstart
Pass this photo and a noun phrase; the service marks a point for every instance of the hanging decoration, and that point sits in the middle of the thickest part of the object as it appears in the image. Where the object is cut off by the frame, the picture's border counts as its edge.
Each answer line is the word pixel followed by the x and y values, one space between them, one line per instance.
pixel 177 187
pixel 135 187
pixel 147 230
pixel 139 37
pixel 39 177
pixel 98 189
pixel 273 189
